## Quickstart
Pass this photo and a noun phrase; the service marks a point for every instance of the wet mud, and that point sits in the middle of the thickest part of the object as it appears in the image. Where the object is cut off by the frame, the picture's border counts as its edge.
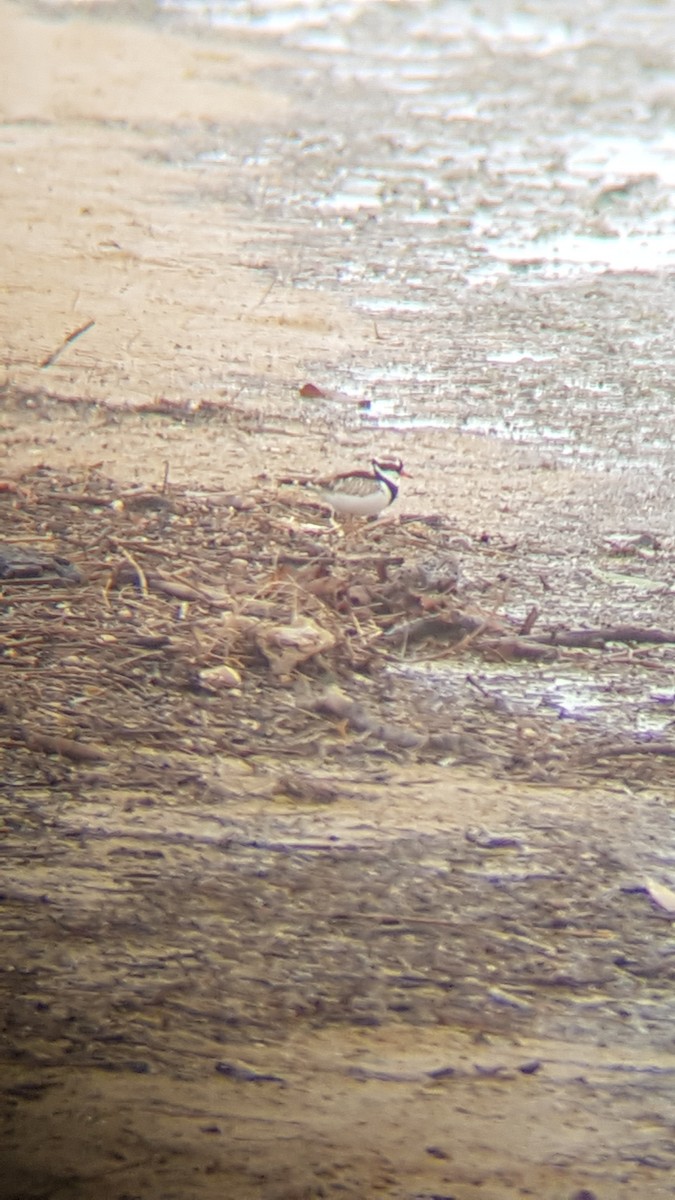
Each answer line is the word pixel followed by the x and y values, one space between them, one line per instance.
pixel 337 859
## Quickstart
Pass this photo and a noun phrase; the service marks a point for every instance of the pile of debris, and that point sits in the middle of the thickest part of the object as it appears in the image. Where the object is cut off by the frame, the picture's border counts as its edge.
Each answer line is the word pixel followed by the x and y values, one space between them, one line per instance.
pixel 210 623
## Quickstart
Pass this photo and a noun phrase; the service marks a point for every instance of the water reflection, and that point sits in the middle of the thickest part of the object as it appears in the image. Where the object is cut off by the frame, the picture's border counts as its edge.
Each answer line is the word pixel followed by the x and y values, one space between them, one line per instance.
pixel 603 698
pixel 468 175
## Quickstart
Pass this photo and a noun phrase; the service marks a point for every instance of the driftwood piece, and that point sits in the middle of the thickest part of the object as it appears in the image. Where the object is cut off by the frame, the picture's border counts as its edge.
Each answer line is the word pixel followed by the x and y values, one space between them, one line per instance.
pixel 84 499
pixel 150 581
pixel 449 629
pixel 24 564
pixel 66 747
pixel 618 749
pixel 596 639
pixel 457 626
pixel 510 649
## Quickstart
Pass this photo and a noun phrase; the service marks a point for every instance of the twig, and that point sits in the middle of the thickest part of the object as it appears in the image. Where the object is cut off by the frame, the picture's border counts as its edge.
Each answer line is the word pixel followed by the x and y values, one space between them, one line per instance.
pixel 67 747
pixel 455 628
pixel 262 300
pixel 667 749
pixel 529 621
pixel 142 578
pixel 473 682
pixel 51 359
pixel 87 499
pixel 509 649
pixel 183 591
pixel 146 547
pixel 597 638
pixel 392 919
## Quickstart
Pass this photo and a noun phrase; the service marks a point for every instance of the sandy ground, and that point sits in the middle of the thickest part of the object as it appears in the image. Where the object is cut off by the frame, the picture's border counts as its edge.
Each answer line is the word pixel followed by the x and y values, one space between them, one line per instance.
pixel 135 1064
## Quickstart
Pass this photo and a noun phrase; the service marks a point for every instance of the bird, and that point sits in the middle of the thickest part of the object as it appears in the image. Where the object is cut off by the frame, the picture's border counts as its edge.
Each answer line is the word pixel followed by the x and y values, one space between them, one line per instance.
pixel 359 493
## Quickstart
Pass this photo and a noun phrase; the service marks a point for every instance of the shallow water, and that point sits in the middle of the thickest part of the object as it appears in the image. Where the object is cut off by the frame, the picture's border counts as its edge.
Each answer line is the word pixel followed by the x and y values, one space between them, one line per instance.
pixel 495 189
pixel 605 698
pixel 239 974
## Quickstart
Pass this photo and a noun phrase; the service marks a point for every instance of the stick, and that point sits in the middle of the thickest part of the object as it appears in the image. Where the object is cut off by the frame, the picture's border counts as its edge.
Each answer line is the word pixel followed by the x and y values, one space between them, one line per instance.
pixel 142 578
pixel 529 621
pixel 67 747
pixel 595 638
pixel 667 749
pixel 51 359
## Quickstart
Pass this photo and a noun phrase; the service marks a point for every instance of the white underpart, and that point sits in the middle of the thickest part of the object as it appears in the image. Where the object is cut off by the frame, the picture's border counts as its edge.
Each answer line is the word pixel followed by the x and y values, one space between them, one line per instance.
pixel 369 504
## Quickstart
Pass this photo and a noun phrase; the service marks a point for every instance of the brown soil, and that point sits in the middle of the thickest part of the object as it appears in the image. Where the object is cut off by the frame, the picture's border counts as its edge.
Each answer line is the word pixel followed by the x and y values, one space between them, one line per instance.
pixel 330 925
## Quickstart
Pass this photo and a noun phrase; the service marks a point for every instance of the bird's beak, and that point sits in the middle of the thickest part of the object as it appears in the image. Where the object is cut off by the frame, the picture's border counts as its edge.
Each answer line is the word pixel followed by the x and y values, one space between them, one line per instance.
pixel 406 474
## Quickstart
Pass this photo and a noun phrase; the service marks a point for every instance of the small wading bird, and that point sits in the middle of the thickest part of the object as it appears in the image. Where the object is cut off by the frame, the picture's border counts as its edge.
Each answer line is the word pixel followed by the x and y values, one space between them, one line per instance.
pixel 358 493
